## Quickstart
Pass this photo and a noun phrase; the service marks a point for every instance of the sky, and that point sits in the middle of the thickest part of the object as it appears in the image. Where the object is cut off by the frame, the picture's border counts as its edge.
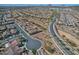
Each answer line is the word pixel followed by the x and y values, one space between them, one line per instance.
pixel 39 4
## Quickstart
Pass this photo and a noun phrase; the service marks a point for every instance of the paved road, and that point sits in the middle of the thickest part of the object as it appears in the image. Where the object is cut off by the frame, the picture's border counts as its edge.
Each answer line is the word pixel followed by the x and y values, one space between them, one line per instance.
pixel 7 40
pixel 32 43
pixel 57 39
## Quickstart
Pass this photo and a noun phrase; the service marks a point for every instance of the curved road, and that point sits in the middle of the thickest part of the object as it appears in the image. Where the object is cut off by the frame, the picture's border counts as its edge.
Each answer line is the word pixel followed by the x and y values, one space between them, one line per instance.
pixel 57 39
pixel 32 43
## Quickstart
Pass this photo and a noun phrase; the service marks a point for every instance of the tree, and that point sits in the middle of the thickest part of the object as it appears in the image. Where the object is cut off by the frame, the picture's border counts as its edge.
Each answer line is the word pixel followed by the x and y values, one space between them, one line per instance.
pixel 34 51
pixel 51 50
pixel 63 35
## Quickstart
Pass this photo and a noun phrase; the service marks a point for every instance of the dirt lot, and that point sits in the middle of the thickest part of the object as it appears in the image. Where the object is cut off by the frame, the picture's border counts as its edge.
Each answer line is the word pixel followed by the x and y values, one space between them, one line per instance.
pixel 69 37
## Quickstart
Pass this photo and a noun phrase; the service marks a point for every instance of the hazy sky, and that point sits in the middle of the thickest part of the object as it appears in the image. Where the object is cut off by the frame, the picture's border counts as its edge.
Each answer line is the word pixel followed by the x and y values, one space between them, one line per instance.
pixel 39 4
